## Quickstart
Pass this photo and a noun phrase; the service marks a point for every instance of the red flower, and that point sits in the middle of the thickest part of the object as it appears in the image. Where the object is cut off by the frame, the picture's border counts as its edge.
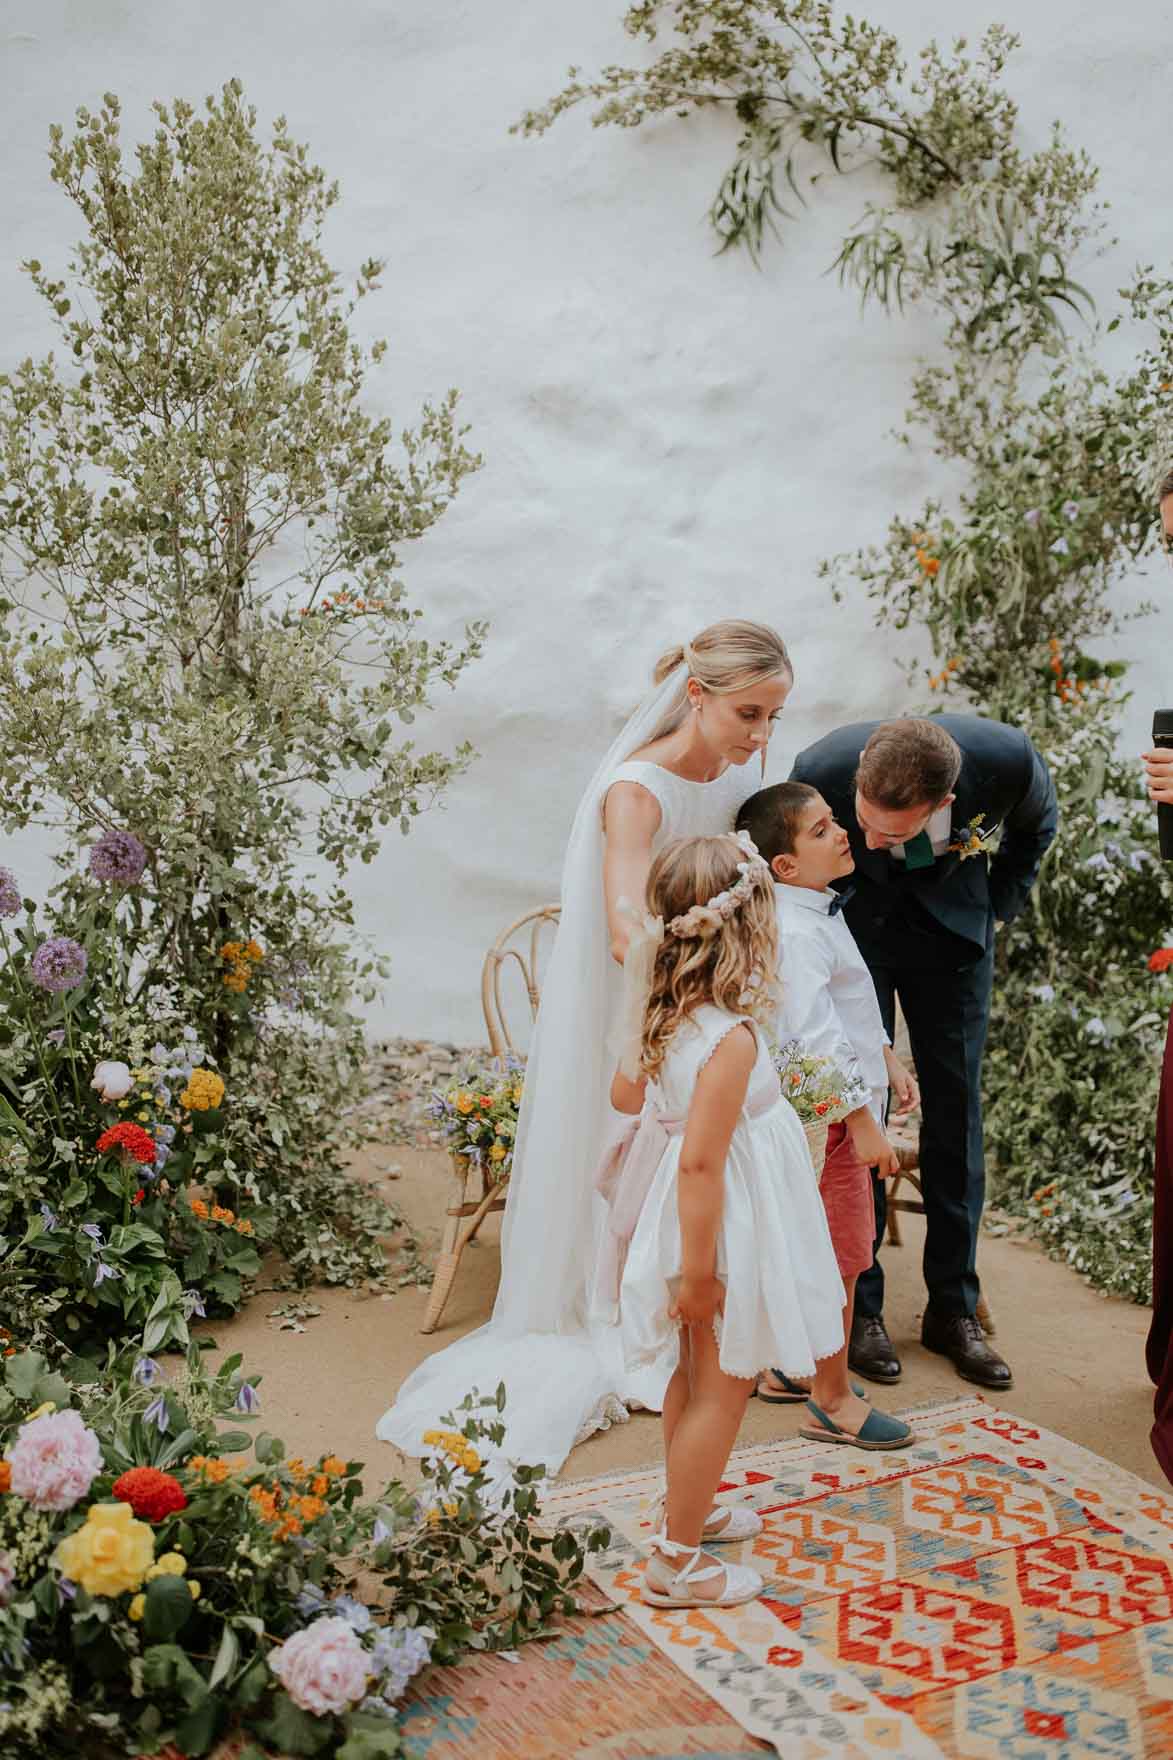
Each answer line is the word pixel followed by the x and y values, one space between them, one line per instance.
pixel 1161 960
pixel 138 1143
pixel 152 1495
pixel 486 1102
pixel 138 1196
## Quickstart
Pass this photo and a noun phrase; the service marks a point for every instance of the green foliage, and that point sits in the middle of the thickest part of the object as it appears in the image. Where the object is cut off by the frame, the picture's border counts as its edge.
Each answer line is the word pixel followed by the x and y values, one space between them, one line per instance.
pixel 205 640
pixel 259 1549
pixel 974 224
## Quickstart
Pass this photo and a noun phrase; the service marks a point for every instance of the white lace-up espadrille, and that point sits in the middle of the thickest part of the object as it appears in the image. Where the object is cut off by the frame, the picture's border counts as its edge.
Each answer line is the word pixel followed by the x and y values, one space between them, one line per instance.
pixel 668 1583
pixel 727 1524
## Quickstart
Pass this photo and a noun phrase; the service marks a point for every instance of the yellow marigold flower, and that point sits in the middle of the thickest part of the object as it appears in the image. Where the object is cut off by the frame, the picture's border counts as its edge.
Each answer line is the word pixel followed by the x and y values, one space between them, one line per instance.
pixel 497 1152
pixel 465 1103
pixel 430 1438
pixel 470 1460
pixel 171 1564
pixel 110 1553
pixel 517 1095
pixel 205 1089
pixel 137 1606
pixel 333 1467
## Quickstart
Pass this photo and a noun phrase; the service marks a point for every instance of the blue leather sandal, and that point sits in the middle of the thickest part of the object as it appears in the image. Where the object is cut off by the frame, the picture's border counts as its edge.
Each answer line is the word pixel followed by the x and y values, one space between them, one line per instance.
pixel 795 1393
pixel 878 1430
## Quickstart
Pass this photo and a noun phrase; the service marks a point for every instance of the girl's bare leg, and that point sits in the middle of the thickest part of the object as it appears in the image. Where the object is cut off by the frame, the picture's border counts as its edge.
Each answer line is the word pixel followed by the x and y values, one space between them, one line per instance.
pixel 831 1389
pixel 703 1435
pixel 676 1393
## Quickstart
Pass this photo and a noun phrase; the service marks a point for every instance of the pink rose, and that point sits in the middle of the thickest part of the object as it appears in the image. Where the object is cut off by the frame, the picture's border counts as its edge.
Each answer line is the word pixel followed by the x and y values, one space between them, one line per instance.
pixel 323 1668
pixel 54 1461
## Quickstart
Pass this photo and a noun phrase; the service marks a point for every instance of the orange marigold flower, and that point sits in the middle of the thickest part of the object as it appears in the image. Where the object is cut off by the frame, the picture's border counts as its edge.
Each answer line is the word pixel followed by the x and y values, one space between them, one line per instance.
pixel 289 1527
pixel 219 1214
pixel 333 1466
pixel 310 1508
pixel 319 1485
pixel 929 564
pixel 215 1472
pixel 1161 960
pixel 296 1468
pixel 199 1209
pixel 5 1477
pixel 244 1226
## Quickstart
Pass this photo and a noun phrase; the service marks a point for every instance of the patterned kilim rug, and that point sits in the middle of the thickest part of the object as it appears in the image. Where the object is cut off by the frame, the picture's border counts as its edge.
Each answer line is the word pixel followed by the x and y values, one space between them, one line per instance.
pixel 994 1592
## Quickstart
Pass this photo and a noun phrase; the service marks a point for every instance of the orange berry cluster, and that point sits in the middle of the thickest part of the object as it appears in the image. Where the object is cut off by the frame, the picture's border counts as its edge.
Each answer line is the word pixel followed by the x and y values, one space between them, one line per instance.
pixel 345 602
pixel 241 956
pixel 1037 1198
pixel 218 1213
pixel 937 680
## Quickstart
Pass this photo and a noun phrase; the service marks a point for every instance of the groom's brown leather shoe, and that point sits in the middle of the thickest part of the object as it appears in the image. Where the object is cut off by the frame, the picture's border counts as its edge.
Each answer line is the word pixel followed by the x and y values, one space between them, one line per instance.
pixel 960 1337
pixel 870 1352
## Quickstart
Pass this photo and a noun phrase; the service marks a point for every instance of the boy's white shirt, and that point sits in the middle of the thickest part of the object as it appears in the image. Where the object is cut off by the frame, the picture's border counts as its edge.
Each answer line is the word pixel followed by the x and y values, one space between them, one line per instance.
pixel 828 998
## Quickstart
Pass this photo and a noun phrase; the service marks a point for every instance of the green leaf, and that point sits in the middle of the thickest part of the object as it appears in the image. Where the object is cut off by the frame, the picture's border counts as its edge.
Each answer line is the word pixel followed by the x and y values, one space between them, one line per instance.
pixel 195 1733
pixel 370 1738
pixel 168 1608
pixel 293 1731
pixel 227 1657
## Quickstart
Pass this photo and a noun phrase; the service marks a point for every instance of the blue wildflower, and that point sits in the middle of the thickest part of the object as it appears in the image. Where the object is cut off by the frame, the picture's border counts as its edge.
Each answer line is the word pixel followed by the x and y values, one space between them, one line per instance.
pixel 156 1413
pixel 247 1399
pixel 146 1371
pixel 48 1219
pixel 356 1615
pixel 1060 547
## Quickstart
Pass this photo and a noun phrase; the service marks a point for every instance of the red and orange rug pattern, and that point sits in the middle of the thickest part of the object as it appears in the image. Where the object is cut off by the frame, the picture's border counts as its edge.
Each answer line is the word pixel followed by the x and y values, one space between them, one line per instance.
pixel 992 1593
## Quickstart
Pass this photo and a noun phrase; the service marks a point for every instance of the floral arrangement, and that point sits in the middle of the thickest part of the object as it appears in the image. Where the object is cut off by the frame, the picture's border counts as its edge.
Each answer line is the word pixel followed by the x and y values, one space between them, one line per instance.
pixel 477 1117
pixel 167 1580
pixel 819 1091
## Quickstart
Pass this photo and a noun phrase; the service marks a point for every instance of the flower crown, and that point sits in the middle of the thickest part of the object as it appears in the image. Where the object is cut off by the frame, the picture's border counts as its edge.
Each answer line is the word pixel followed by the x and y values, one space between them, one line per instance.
pixel 702 918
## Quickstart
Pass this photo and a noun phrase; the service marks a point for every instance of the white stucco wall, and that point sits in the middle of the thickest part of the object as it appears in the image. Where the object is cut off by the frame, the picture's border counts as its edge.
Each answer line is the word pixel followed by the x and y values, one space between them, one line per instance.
pixel 669 438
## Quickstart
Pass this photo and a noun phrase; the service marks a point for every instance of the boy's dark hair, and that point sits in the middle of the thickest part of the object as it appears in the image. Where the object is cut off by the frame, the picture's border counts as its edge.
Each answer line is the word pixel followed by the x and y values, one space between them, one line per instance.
pixel 773 815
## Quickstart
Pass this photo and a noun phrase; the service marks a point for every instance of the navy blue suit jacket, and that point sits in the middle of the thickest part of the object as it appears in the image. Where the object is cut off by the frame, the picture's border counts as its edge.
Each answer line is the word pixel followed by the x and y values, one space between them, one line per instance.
pixel 1003 778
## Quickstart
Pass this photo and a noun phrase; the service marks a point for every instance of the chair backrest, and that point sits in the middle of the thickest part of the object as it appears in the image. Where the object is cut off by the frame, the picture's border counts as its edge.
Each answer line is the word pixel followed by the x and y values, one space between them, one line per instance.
pixel 526 931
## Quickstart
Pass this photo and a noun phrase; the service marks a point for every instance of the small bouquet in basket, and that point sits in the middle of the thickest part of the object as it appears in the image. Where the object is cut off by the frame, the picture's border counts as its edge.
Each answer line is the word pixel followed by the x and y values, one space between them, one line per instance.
pixel 819 1091
pixel 478 1115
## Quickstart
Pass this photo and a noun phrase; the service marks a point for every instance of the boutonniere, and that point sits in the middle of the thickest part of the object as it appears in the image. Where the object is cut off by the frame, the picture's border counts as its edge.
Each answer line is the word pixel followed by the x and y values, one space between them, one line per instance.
pixel 973 839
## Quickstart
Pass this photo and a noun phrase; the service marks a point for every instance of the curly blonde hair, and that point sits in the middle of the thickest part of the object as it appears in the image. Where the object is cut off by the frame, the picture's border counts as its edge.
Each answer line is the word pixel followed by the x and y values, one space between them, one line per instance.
pixel 728 961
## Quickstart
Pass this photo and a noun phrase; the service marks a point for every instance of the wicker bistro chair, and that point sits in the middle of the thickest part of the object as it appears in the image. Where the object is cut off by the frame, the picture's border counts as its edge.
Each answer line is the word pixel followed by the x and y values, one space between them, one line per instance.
pixel 518 946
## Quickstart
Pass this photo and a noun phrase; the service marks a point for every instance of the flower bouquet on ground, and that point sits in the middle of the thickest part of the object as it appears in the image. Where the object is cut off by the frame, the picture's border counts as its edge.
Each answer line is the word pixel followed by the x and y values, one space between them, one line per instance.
pixel 820 1092
pixel 477 1117
pixel 167 1581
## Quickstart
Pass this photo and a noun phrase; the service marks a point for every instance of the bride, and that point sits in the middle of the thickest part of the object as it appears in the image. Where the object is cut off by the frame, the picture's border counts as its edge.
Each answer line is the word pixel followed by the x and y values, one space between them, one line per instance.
pixel 692 752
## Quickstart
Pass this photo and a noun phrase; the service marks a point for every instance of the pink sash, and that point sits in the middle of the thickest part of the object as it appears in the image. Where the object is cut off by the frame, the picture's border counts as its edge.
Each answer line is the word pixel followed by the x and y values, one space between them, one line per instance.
pixel 624 1178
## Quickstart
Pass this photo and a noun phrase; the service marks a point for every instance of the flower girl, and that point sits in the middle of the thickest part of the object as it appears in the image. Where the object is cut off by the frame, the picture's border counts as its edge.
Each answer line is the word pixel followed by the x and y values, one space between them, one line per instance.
pixel 716 1228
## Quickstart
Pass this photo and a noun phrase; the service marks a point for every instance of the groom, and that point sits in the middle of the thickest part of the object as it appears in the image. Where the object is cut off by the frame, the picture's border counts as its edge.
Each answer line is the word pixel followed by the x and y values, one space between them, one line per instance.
pixel 921 799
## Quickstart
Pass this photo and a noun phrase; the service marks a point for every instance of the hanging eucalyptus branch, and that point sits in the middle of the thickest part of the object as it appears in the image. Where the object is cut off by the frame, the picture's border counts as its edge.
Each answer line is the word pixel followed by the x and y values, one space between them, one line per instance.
pixel 987 229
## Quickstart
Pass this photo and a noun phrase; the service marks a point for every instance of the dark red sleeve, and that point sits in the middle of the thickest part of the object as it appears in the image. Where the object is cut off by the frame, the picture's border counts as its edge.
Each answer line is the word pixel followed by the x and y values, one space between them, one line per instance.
pixel 1159 1351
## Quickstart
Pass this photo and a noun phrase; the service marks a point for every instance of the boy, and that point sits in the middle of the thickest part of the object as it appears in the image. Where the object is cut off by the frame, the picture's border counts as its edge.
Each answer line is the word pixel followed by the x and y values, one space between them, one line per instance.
pixel 829 1002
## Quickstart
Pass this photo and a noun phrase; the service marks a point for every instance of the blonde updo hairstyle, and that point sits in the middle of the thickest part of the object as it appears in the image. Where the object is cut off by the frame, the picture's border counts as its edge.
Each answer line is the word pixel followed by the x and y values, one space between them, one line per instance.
pixel 731 962
pixel 729 656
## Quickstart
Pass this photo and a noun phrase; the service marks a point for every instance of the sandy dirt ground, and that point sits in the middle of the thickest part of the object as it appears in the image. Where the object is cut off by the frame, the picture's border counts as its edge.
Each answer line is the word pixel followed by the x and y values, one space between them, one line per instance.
pixel 1077 1356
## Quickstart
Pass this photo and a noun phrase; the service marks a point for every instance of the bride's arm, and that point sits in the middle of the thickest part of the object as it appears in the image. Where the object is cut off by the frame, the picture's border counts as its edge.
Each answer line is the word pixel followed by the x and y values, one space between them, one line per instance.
pixel 631 818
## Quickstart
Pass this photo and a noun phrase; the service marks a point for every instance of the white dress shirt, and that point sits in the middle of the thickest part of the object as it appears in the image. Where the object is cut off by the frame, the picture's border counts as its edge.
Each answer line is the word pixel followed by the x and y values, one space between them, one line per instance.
pixel 828 998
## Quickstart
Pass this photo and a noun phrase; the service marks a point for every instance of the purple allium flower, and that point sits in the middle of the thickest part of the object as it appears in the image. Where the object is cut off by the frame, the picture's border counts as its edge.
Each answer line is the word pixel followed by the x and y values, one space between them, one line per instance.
pixel 1032 516
pixel 119 858
pixel 156 1413
pixel 247 1400
pixel 146 1371
pixel 58 964
pixel 9 894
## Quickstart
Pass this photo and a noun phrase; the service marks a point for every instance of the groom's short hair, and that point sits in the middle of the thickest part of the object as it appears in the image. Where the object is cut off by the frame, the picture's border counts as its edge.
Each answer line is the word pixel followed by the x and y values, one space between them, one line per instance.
pixel 912 762
pixel 774 816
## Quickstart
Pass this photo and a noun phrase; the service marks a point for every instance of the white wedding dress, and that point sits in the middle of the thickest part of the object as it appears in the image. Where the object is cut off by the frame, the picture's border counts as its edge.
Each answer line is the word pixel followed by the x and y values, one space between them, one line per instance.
pixel 562 1366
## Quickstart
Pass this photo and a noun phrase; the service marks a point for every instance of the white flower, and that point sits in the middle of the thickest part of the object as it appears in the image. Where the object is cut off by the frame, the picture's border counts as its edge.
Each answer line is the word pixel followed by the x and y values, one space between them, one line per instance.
pixel 1044 992
pixel 113 1081
pixel 1095 1028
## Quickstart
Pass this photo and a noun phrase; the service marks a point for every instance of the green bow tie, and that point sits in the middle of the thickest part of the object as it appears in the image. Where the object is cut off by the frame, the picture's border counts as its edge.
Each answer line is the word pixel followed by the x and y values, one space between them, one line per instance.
pixel 918 851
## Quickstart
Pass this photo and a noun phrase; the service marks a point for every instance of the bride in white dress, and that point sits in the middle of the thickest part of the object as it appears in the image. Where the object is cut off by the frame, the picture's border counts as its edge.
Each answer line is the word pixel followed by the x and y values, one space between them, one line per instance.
pixel 690 755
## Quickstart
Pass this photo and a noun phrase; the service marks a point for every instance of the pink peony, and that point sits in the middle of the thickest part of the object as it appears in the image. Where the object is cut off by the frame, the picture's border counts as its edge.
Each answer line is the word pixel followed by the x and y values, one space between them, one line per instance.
pixel 54 1461
pixel 323 1668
